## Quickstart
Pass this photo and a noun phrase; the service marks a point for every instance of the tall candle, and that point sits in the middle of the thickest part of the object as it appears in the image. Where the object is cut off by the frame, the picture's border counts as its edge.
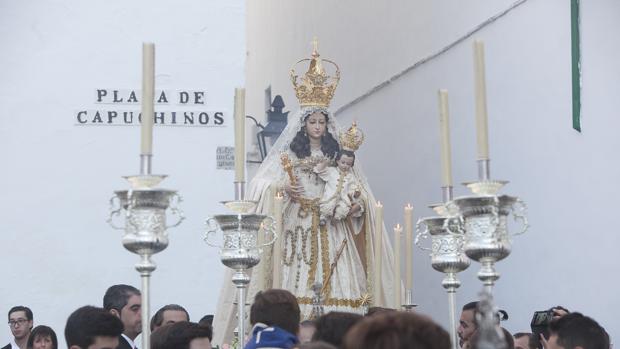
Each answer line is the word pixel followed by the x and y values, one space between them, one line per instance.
pixel 408 247
pixel 444 127
pixel 378 252
pixel 481 102
pixel 239 134
pixel 277 249
pixel 148 94
pixel 398 232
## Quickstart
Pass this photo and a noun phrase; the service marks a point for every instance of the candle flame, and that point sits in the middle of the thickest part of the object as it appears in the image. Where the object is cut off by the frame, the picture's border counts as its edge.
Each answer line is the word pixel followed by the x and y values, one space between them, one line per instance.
pixel 409 206
pixel 398 227
pixel 379 204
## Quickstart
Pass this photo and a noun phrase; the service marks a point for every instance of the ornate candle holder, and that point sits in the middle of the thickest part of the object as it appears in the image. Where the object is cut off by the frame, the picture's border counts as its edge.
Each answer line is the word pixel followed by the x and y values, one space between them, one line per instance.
pixel 144 209
pixel 240 251
pixel 408 305
pixel 446 257
pixel 484 218
pixel 317 301
pixel 487 239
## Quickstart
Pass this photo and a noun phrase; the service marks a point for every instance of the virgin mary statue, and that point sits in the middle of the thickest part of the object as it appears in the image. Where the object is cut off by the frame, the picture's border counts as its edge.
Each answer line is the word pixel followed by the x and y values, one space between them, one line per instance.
pixel 333 256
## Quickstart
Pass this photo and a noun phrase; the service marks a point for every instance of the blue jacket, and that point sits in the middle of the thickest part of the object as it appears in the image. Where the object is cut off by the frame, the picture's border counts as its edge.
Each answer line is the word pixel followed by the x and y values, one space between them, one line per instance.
pixel 264 336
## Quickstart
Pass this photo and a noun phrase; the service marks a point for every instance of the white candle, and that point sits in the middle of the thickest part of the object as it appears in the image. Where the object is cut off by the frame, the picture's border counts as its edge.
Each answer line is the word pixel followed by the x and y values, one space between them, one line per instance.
pixel 398 232
pixel 148 94
pixel 444 127
pixel 481 102
pixel 378 252
pixel 277 249
pixel 408 247
pixel 239 134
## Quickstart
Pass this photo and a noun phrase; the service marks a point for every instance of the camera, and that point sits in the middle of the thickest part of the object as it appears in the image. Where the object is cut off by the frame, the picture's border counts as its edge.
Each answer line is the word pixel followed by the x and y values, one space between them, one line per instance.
pixel 540 325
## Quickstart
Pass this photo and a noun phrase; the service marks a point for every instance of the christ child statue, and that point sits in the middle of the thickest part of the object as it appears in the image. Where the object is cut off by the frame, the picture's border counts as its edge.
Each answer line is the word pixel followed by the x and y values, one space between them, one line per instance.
pixel 341 196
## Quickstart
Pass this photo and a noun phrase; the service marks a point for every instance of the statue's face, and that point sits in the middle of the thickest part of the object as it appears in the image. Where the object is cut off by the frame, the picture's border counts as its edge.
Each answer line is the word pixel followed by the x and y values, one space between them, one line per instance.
pixel 316 125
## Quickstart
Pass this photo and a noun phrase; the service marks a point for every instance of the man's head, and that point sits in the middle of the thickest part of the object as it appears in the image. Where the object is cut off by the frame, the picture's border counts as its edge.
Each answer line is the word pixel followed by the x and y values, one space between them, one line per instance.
pixel 467 322
pixel 20 322
pixel 576 331
pixel 276 307
pixel 124 302
pixel 169 314
pixel 182 335
pixel 396 330
pixel 92 328
pixel 333 326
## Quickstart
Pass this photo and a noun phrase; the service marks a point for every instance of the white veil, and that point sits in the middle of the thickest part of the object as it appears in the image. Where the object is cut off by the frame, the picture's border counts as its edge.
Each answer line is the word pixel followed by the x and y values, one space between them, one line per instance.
pixel 261 190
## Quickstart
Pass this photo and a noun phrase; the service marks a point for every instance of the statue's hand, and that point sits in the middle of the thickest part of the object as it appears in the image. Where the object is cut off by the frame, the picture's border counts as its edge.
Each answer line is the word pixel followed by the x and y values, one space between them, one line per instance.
pixel 294 191
pixel 355 208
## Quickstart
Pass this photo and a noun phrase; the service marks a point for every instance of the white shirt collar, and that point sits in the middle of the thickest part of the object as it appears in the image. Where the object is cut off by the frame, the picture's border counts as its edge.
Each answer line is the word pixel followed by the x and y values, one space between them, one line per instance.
pixel 131 343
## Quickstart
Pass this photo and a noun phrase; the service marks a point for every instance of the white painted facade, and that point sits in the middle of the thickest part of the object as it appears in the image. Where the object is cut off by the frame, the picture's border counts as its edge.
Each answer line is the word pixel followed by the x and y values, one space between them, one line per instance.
pixel 568 179
pixel 58 253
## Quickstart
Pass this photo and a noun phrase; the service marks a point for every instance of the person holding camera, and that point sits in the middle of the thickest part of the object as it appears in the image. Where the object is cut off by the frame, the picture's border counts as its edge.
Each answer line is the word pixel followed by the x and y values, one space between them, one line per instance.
pixel 575 331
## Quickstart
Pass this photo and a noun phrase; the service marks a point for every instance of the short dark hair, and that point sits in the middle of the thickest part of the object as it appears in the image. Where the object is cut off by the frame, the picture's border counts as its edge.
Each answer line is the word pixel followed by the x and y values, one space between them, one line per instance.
pixel 88 322
pixel 26 310
pixel 158 318
pixel 179 335
pixel 116 296
pixel 575 329
pixel 396 330
pixel 471 306
pixel 276 307
pixel 42 331
pixel 206 320
pixel 348 153
pixel 333 326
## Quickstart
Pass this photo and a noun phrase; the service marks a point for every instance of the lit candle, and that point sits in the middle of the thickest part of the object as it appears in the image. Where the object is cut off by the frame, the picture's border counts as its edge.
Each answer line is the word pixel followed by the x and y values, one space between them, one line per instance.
pixel 444 126
pixel 277 250
pixel 378 252
pixel 239 135
pixel 398 232
pixel 481 102
pixel 148 94
pixel 408 247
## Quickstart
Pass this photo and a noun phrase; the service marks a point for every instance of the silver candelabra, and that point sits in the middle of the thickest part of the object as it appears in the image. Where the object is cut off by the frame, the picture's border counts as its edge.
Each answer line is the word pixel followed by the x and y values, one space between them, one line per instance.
pixel 483 217
pixel 144 209
pixel 446 254
pixel 240 249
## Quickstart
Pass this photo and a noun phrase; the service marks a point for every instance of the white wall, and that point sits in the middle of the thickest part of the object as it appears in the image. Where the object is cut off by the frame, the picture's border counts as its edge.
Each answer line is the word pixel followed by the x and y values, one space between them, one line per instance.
pixel 57 251
pixel 567 178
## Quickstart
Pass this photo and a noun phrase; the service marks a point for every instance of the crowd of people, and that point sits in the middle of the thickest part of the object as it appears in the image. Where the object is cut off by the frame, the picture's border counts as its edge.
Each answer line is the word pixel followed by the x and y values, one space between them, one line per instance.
pixel 276 322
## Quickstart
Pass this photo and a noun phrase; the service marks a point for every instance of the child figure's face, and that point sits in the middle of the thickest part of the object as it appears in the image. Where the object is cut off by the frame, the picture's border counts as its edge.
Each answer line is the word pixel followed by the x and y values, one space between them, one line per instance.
pixel 345 162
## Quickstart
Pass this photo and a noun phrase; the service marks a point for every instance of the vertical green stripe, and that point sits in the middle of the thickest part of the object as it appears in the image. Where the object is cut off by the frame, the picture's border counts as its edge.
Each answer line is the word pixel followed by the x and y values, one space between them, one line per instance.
pixel 576 64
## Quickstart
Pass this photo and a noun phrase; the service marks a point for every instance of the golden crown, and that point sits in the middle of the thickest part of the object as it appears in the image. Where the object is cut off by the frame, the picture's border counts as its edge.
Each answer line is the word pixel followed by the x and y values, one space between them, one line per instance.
pixel 316 87
pixel 352 139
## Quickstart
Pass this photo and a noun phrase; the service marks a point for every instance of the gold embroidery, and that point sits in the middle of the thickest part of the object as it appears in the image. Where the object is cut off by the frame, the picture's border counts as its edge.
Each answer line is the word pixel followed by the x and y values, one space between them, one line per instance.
pixel 312 205
pixel 325 261
pixel 335 302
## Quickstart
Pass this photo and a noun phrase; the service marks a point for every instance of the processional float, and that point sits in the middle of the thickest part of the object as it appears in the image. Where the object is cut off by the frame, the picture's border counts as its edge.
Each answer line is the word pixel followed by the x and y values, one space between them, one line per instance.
pixel 144 206
pixel 473 226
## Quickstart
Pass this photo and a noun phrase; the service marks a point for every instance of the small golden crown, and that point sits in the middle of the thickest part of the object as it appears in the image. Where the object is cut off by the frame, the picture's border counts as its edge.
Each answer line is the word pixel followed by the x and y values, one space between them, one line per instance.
pixel 352 139
pixel 316 87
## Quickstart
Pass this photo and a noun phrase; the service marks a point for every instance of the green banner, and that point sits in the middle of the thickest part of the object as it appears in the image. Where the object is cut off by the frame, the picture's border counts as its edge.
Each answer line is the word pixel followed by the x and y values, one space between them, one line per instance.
pixel 576 64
